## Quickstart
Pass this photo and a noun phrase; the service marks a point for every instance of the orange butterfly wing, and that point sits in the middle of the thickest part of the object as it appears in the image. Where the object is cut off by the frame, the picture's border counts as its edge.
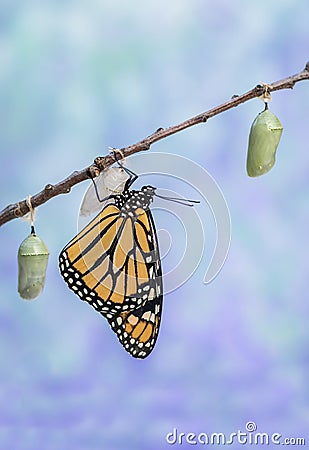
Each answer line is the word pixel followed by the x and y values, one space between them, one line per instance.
pixel 114 265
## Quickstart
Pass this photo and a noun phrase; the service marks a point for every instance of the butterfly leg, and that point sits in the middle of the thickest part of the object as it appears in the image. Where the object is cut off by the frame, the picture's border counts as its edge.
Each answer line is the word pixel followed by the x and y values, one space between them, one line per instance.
pixel 132 175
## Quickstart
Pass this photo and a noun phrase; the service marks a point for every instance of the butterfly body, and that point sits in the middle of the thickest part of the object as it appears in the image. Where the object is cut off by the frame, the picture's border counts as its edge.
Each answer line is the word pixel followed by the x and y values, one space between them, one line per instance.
pixel 114 265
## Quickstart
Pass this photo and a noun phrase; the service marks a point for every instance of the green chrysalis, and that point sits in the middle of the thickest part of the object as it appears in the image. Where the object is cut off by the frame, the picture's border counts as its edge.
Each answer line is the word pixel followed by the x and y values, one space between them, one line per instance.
pixel 32 263
pixel 264 137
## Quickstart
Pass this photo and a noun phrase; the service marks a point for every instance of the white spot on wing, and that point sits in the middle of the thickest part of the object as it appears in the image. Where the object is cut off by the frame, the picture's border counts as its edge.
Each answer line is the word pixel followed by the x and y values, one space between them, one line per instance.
pixel 151 294
pixel 146 315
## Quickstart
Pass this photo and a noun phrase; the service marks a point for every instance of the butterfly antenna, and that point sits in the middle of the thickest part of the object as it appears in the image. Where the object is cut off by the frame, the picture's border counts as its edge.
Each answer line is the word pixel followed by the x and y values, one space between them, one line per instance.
pixel 181 201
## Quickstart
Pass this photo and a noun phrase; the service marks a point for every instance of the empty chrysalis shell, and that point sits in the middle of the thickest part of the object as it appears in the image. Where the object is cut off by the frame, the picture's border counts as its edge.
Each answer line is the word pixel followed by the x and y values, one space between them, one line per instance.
pixel 110 181
pixel 32 263
pixel 264 137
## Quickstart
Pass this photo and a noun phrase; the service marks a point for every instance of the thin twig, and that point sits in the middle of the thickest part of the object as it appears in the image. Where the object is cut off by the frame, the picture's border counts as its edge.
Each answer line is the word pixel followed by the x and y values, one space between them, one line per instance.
pixel 21 208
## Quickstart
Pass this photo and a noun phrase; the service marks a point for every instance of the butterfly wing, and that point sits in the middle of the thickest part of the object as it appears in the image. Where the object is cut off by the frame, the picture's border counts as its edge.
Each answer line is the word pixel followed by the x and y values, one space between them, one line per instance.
pixel 114 265
pixel 103 266
pixel 137 330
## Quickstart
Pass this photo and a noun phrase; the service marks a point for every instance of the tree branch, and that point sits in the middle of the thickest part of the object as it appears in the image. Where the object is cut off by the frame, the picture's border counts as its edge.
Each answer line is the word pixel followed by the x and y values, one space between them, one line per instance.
pixel 21 208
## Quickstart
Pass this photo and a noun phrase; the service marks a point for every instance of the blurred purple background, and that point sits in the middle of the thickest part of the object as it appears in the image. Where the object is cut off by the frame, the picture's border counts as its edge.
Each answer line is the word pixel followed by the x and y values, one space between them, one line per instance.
pixel 77 77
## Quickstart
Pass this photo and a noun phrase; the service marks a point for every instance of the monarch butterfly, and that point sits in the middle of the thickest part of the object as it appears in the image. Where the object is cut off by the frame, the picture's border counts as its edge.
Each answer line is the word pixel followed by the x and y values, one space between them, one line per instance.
pixel 114 264
pixel 32 262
